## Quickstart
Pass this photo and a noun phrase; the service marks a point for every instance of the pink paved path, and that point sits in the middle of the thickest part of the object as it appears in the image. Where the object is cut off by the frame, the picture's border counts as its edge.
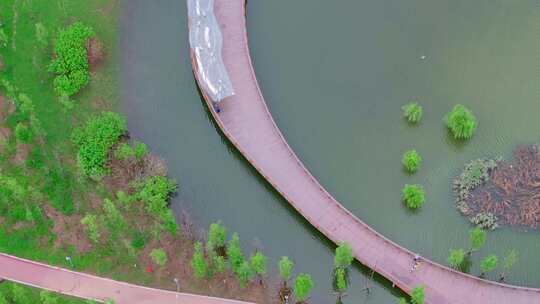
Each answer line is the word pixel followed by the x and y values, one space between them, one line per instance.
pixel 248 124
pixel 87 286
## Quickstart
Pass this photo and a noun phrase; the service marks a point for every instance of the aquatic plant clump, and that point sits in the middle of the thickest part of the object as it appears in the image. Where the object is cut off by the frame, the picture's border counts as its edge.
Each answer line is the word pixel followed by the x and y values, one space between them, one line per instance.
pixel 414 196
pixel 412 111
pixel 411 161
pixel 461 122
pixel 493 192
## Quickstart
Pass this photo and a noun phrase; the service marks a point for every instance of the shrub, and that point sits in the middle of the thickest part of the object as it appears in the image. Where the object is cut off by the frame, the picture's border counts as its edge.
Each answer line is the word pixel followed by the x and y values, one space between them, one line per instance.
pixel 340 280
pixel 169 221
pixel 155 191
pixel 411 161
pixel 461 122
pixel 71 62
pixel 23 133
pixel 159 256
pixel 198 263
pixel 91 225
pixel 456 258
pixel 20 294
pixel 343 256
pixel 303 286
pixel 114 217
pixel 124 151
pixel 218 263
pixel 95 139
pixel 139 241
pixel 47 297
pixel 413 196
pixel 412 111
pixel 140 149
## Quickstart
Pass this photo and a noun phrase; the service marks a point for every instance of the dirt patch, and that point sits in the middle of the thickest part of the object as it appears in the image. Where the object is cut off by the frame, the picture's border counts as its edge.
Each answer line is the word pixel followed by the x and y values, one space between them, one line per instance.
pixel 96 53
pixel 68 230
pixel 512 192
pixel 23 150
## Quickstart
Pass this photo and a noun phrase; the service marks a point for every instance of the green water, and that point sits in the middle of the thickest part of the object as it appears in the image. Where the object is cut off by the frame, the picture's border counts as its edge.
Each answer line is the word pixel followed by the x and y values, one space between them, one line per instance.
pixel 334 75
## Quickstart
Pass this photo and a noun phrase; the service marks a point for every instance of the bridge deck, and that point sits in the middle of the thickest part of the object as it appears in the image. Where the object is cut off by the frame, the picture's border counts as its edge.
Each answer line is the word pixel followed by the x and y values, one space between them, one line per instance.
pixel 248 124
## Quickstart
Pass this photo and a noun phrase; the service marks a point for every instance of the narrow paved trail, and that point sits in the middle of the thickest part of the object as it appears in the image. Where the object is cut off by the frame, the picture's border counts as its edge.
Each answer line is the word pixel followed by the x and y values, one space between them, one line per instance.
pixel 248 124
pixel 87 286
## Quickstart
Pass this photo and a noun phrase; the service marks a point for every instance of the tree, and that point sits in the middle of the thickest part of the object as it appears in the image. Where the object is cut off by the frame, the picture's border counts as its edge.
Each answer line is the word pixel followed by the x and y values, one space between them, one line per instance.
pixel 244 274
pixel 340 279
pixel 489 263
pixel 414 196
pixel 218 263
pixel 510 259
pixel 456 258
pixel 411 161
pixel 302 287
pixel 461 122
pixel 198 262
pixel 217 234
pixel 412 111
pixel 23 133
pixel 114 217
pixel 285 269
pixel 343 256
pixel 91 225
pixel 48 298
pixel 417 295
pixel 124 152
pixel 234 252
pixel 159 256
pixel 477 239
pixel 258 264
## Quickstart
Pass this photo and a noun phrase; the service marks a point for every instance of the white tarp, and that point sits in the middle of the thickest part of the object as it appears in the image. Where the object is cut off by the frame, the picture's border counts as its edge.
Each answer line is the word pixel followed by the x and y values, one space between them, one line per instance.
pixel 206 41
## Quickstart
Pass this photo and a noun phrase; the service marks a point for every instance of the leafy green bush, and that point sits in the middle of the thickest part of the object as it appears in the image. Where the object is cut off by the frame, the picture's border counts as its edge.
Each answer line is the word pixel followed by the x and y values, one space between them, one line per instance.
pixel 23 133
pixel 95 139
pixel 285 269
pixel 234 253
pixel 258 263
pixel 412 111
pixel 411 161
pixel 140 149
pixel 244 274
pixel 417 295
pixel 477 239
pixel 414 196
pixel 343 256
pixel 159 256
pixel 217 234
pixel 91 224
pixel 461 122
pixel 489 263
pixel 198 262
pixel 139 240
pixel 71 62
pixel 155 192
pixel 124 151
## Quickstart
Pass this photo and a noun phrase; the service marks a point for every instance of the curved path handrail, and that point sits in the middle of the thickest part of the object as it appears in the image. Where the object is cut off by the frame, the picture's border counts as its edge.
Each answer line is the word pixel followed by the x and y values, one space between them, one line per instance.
pixel 247 123
pixel 91 287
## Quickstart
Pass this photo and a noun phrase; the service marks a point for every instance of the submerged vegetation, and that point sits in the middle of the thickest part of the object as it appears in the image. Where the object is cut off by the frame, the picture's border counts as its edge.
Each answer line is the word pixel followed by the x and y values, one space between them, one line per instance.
pixel 461 122
pixel 412 111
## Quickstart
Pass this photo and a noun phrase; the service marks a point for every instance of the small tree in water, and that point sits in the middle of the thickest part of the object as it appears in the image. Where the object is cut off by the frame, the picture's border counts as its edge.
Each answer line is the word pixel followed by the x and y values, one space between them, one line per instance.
pixel 302 287
pixel 456 258
pixel 488 264
pixel 477 239
pixel 414 196
pixel 343 256
pixel 411 161
pixel 340 279
pixel 510 259
pixel 412 111
pixel 461 122
pixel 258 264
pixel 285 270
pixel 417 295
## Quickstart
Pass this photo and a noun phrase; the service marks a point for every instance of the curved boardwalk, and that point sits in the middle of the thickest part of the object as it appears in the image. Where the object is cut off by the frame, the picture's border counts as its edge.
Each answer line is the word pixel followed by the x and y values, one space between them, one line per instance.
pixel 248 124
pixel 87 286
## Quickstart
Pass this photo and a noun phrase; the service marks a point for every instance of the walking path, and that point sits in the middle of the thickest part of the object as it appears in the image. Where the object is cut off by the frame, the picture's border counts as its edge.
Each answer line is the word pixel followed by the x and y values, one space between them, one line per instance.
pixel 87 286
pixel 246 121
